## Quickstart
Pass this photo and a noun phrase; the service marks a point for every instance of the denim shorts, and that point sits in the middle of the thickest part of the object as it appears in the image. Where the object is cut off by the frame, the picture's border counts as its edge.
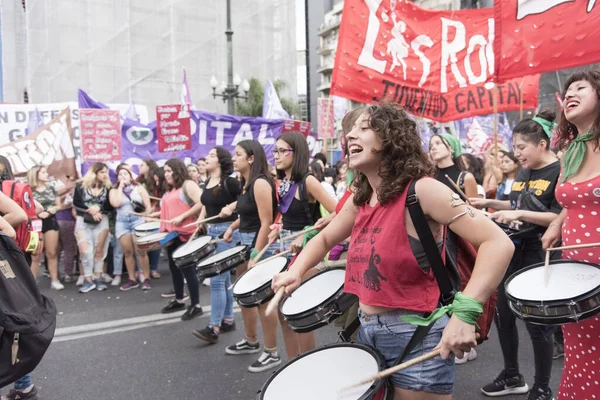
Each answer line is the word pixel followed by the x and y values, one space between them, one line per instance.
pixel 126 224
pixel 285 244
pixel 389 335
pixel 247 238
pixel 217 230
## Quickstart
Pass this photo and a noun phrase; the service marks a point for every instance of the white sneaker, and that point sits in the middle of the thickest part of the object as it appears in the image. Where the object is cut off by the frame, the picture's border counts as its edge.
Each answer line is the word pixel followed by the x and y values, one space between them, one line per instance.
pixel 56 285
pixel 116 281
pixel 206 282
pixel 106 278
pixel 80 280
pixel 470 356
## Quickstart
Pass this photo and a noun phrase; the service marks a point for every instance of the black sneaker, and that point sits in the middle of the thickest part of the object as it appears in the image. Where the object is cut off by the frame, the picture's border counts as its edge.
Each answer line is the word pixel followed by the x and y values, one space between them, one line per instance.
pixel 243 347
pixel 227 327
pixel 173 306
pixel 504 385
pixel 192 312
pixel 207 334
pixel 538 393
pixel 265 362
pixel 559 351
pixel 15 394
pixel 171 293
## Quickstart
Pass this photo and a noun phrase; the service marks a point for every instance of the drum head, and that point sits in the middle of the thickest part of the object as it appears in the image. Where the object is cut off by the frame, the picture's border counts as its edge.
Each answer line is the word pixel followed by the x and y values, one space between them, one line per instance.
pixel 257 276
pixel 190 247
pixel 147 227
pixel 314 291
pixel 567 280
pixel 323 373
pixel 221 256
pixel 153 237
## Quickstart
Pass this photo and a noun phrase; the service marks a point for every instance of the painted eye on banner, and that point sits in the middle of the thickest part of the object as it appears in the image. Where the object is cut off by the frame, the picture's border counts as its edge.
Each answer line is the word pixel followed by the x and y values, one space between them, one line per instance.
pixel 139 136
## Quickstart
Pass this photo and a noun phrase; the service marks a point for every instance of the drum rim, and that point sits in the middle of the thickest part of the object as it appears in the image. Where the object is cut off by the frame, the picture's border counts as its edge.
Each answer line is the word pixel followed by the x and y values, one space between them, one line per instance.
pixel 577 298
pixel 197 250
pixel 313 309
pixel 261 287
pixel 144 239
pixel 146 223
pixel 242 251
pixel 375 386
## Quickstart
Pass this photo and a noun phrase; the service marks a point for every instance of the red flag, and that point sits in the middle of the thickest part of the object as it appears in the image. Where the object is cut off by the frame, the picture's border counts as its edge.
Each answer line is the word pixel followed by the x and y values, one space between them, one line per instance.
pixel 534 36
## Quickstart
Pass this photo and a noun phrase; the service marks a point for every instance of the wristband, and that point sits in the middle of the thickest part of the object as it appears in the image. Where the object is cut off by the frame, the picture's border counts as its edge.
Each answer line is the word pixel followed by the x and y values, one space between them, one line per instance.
pixel 253 253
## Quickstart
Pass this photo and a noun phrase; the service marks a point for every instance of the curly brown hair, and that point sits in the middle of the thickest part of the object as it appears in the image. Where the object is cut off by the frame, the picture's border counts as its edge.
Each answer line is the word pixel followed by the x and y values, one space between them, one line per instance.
pixel 402 156
pixel 180 174
pixel 567 131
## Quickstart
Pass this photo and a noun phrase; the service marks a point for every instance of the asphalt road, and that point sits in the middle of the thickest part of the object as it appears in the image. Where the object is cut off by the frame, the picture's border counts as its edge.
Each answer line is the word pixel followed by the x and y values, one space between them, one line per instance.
pixel 116 345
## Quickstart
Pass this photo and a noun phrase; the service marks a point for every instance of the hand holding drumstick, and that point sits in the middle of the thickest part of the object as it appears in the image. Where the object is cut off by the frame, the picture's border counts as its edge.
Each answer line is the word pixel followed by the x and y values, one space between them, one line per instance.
pixel 283 283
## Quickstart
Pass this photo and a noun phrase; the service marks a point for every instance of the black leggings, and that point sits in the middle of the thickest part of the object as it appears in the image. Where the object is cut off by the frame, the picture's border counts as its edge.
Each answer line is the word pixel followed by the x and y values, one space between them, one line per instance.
pixel 177 274
pixel 541 335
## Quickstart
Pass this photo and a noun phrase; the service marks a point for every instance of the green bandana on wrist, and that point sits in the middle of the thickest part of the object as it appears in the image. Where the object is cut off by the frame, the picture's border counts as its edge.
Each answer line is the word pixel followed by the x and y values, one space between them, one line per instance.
pixel 574 155
pixel 308 235
pixel 453 142
pixel 253 254
pixel 547 126
pixel 465 308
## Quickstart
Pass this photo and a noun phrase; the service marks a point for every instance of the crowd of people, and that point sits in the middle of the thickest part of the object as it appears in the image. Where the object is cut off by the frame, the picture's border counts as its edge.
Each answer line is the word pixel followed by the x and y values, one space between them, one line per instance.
pixel 531 202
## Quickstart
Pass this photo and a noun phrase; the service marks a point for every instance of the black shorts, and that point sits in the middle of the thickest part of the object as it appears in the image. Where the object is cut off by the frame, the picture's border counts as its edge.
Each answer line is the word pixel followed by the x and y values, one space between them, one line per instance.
pixel 50 224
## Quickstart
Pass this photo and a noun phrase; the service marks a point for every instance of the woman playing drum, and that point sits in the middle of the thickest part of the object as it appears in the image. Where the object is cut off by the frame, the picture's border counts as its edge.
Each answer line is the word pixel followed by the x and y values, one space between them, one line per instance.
pixel 532 201
pixel 382 270
pixel 180 205
pixel 579 222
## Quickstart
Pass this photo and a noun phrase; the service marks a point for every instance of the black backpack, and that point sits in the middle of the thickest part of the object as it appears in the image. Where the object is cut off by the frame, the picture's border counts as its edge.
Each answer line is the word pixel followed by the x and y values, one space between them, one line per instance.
pixel 27 319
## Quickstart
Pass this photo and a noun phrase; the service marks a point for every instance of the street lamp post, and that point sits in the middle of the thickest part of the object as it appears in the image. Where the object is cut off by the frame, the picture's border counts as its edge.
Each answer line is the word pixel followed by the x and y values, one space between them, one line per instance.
pixel 230 92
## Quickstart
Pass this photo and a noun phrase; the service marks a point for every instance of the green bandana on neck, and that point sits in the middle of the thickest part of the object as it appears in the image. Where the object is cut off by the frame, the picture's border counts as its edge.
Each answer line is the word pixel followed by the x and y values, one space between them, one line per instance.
pixel 547 126
pixel 453 142
pixel 574 155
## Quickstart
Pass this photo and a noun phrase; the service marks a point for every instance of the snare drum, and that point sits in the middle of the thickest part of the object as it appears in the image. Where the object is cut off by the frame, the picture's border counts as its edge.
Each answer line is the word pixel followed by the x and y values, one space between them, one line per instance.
pixel 253 287
pixel 193 251
pixel 146 228
pixel 572 293
pixel 223 261
pixel 323 374
pixel 317 301
pixel 155 241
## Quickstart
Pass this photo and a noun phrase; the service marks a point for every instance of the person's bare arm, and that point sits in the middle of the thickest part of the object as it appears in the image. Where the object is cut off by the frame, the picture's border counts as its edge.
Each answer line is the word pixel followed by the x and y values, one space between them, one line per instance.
pixel 263 195
pixel 7 229
pixel 470 185
pixel 13 214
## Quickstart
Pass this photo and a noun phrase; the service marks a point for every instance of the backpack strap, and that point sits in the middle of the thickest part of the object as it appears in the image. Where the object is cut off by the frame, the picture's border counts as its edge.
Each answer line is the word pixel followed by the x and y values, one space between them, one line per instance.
pixel 434 257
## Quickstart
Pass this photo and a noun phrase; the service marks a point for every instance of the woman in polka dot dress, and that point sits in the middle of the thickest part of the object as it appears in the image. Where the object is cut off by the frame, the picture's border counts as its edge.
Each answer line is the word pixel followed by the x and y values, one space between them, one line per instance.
pixel 579 222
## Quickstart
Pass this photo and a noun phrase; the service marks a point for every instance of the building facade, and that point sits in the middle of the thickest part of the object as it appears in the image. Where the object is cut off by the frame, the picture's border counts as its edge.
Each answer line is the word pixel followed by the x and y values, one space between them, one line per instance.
pixel 122 50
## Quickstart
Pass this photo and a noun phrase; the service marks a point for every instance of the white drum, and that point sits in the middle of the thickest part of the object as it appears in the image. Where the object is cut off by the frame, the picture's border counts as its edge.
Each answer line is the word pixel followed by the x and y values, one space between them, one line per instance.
pixel 253 287
pixel 317 301
pixel 155 241
pixel 223 261
pixel 146 228
pixel 572 292
pixel 188 254
pixel 323 374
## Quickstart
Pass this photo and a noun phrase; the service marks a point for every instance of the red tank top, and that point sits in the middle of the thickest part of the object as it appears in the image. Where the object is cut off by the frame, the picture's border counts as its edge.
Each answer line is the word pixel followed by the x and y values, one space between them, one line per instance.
pixel 340 204
pixel 173 206
pixel 381 268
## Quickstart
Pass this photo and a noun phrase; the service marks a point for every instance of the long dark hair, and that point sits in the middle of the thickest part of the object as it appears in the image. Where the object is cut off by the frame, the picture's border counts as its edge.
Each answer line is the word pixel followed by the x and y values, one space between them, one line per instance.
pixel 532 131
pixel 162 187
pixel 317 171
pixel 475 167
pixel 567 131
pixel 180 173
pixel 147 180
pixel 260 166
pixel 226 164
pixel 402 157
pixel 301 154
pixel 512 157
pixel 6 172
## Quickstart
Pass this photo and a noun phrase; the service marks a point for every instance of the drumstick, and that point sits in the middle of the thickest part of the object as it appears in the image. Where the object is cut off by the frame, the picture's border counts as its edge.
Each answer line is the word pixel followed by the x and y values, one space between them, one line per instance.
pixel 262 262
pixel 547 267
pixel 217 240
pixel 263 251
pixel 151 219
pixel 201 221
pixel 295 235
pixel 154 198
pixel 575 246
pixel 458 189
pixel 387 372
pixel 274 303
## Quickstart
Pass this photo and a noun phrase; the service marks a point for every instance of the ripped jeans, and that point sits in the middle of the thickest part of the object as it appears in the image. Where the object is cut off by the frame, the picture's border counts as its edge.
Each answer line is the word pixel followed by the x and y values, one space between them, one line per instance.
pixel 88 239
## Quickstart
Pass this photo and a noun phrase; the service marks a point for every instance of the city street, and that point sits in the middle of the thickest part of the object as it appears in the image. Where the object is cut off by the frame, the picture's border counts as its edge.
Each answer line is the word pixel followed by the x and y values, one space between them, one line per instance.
pixel 117 345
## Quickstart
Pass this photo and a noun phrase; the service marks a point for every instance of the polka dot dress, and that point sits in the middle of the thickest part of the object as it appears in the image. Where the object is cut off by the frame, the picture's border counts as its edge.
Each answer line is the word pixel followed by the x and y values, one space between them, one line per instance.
pixel 581 375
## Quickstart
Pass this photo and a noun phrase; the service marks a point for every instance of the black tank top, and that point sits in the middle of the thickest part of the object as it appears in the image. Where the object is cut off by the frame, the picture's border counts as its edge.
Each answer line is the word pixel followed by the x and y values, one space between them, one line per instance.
pixel 248 210
pixel 296 218
pixel 229 190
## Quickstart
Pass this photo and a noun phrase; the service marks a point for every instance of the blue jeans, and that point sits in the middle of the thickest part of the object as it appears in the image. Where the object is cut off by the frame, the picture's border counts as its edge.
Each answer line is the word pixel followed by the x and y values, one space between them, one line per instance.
pixel 117 256
pixel 285 244
pixel 247 238
pixel 221 299
pixel 23 383
pixel 389 335
pixel 154 258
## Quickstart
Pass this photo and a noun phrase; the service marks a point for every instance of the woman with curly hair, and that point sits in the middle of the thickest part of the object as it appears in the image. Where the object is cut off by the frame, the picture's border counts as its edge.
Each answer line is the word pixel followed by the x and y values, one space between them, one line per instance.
pixel 382 269
pixel 180 205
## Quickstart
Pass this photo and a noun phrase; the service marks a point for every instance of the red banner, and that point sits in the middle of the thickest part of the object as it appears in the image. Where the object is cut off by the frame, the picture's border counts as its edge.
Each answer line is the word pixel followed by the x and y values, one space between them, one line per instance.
pixel 290 125
pixel 100 134
pixel 173 128
pixel 432 62
pixel 536 36
pixel 325 117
